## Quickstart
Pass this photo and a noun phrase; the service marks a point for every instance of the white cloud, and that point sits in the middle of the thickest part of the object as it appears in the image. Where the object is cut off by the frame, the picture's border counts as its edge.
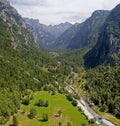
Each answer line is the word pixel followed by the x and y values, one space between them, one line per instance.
pixel 56 11
pixel 28 2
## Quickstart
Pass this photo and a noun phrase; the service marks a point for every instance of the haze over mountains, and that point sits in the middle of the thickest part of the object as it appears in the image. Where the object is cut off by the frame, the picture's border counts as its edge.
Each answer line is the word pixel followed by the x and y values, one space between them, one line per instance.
pixel 46 35
pixel 66 35
pixel 84 34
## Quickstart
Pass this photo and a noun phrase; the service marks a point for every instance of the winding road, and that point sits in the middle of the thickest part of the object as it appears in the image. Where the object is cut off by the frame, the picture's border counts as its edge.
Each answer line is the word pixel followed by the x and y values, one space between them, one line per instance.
pixel 83 104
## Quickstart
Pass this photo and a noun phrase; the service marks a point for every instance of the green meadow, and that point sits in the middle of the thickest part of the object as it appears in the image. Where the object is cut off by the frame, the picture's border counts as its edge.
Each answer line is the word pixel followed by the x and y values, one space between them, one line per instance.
pixel 70 116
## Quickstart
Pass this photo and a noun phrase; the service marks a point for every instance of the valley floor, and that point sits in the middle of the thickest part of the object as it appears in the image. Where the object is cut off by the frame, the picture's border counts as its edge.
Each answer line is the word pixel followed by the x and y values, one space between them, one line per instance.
pixel 70 114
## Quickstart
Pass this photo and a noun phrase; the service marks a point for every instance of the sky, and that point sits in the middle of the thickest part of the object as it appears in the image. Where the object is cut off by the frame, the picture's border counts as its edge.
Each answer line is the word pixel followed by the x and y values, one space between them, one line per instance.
pixel 59 11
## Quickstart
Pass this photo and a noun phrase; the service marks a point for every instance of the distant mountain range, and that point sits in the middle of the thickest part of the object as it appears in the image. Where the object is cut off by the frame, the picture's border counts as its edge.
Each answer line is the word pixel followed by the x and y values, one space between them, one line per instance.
pixel 103 28
pixel 68 36
pixel 84 34
pixel 46 35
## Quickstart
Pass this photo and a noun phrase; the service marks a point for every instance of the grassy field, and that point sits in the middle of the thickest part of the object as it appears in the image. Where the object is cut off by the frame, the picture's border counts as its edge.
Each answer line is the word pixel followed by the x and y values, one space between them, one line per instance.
pixel 56 102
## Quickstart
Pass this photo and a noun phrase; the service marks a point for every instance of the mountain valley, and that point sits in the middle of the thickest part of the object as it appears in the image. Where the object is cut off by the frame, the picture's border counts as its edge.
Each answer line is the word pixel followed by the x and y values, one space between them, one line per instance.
pixel 46 69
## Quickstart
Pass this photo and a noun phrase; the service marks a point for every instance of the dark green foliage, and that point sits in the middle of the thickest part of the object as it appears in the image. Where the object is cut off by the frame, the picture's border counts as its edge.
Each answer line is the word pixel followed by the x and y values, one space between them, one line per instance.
pixel 76 96
pixel 74 103
pixel 21 64
pixel 50 88
pixel 15 121
pixel 9 101
pixel 26 101
pixel 92 121
pixel 69 97
pixel 46 104
pixel 4 119
pixel 104 108
pixel 60 124
pixel 27 95
pixel 69 124
pixel 42 103
pixel 33 113
pixel 103 86
pixel 73 58
pixel 44 117
pixel 103 83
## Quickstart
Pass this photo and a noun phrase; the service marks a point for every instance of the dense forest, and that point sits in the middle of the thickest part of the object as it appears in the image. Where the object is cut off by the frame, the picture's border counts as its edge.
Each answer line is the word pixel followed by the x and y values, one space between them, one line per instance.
pixel 100 84
pixel 103 80
pixel 22 69
pixel 103 88
pixel 19 70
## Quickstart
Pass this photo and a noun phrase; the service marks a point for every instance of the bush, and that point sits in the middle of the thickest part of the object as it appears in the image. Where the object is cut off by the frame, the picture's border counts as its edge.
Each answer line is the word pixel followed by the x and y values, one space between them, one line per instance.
pixel 3 120
pixel 33 113
pixel 104 108
pixel 77 96
pixel 26 101
pixel 42 103
pixel 15 121
pixel 69 124
pixel 44 117
pixel 69 97
pixel 92 120
pixel 74 103
pixel 117 113
pixel 60 123
pixel 46 104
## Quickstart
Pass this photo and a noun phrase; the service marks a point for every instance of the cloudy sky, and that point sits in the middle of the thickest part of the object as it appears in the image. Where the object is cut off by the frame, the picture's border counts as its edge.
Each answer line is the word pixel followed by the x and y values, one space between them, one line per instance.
pixel 57 11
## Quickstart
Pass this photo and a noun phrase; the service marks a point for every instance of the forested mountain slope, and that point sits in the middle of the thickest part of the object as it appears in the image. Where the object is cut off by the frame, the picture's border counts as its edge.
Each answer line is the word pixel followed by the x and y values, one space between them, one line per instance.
pixel 103 77
pixel 22 61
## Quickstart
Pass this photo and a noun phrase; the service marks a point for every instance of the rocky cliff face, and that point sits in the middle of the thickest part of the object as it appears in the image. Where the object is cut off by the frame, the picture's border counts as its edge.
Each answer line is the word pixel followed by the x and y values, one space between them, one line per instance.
pixel 84 34
pixel 42 35
pixel 9 15
pixel 89 31
pixel 17 25
pixel 46 35
pixel 107 50
pixel 58 29
pixel 63 40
